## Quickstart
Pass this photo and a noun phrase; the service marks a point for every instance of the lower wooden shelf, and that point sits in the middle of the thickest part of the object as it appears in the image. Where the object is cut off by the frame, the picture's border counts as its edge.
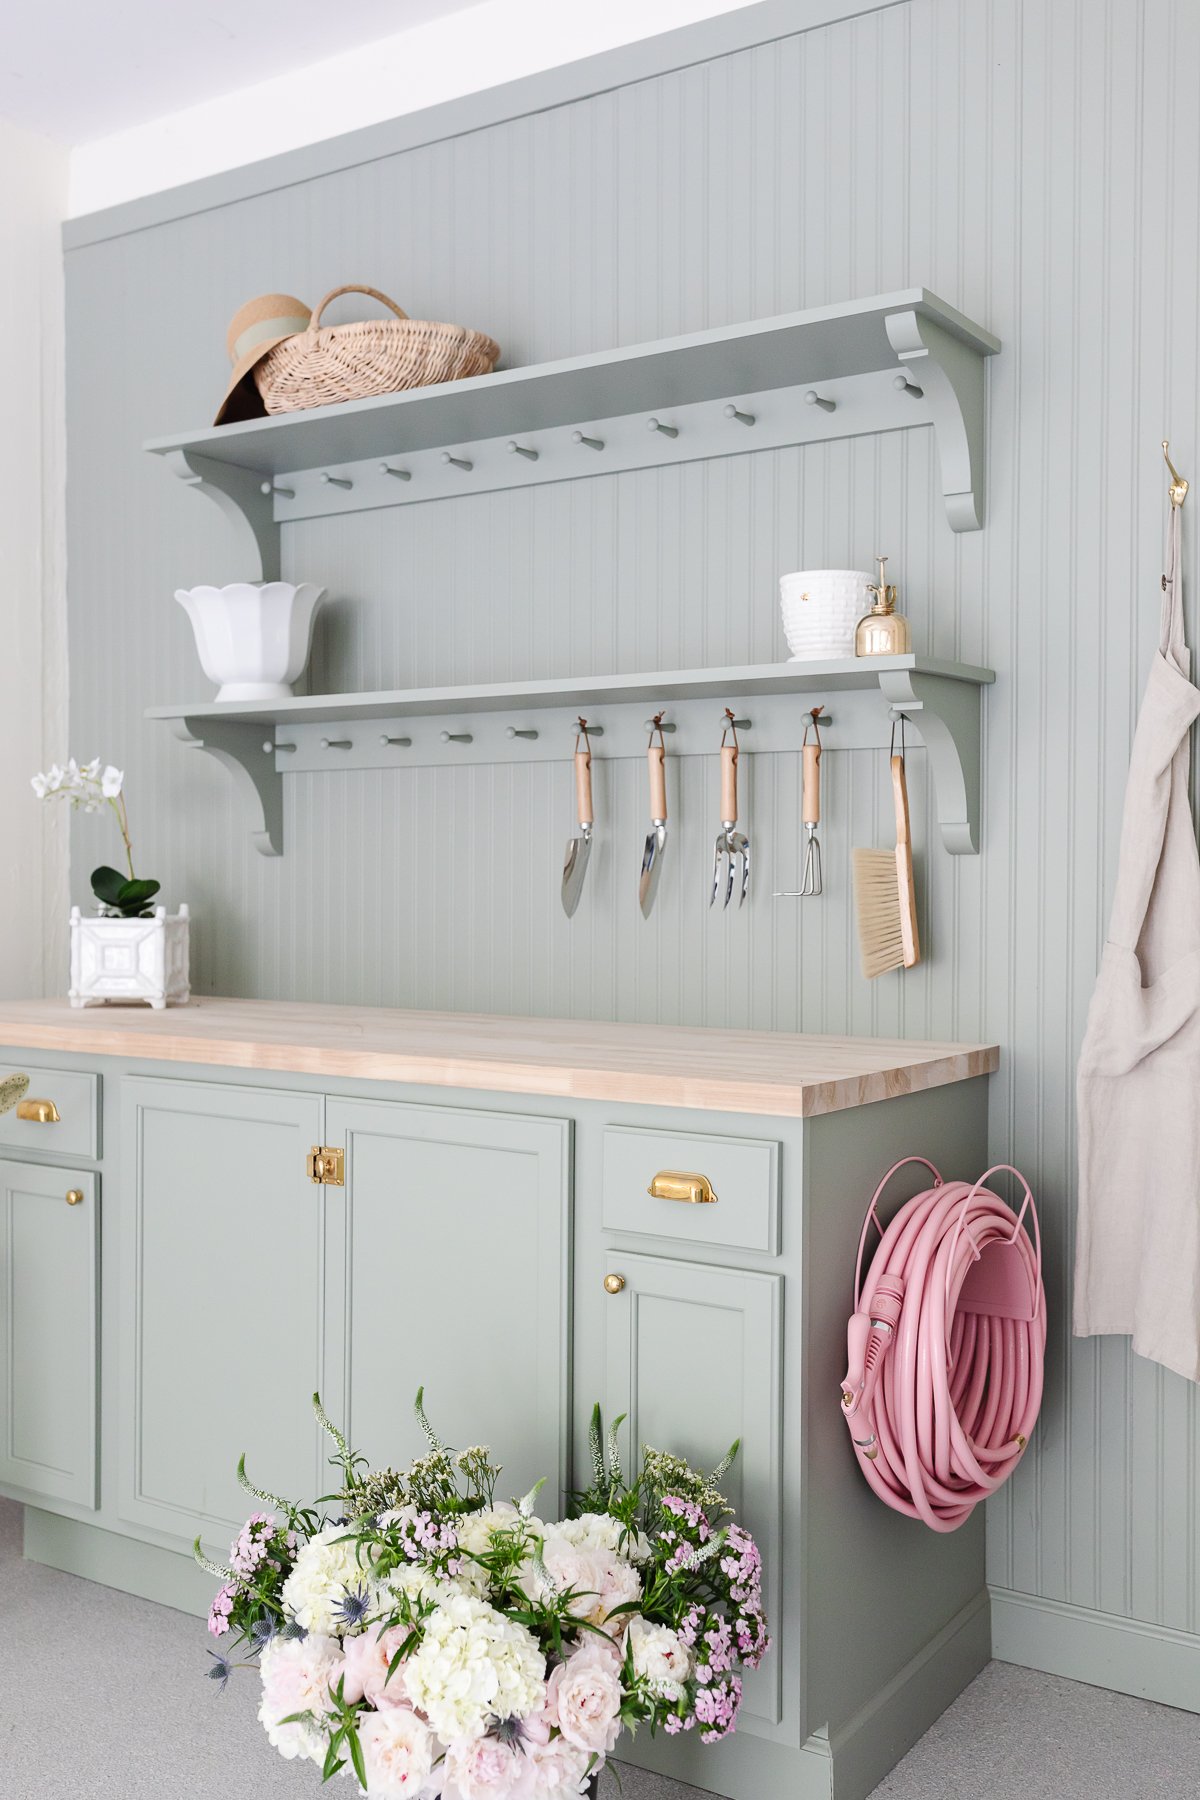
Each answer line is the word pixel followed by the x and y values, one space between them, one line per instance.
pixel 502 722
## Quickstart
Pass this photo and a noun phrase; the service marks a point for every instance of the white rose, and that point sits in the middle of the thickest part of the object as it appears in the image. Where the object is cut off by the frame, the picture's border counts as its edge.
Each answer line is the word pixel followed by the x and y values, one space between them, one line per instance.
pixel 398 1751
pixel 472 1665
pixel 660 1657
pixel 324 1571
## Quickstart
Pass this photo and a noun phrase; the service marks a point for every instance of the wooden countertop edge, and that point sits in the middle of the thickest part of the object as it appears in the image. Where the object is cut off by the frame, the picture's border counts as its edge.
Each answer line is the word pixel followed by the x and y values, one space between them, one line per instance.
pixel 783 1098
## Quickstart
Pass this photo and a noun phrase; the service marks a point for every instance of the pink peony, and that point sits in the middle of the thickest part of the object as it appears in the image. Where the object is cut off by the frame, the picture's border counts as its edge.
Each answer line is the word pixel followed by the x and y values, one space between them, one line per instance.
pixel 398 1751
pixel 367 1659
pixel 577 1570
pixel 296 1674
pixel 484 1769
pixel 620 1584
pixel 584 1698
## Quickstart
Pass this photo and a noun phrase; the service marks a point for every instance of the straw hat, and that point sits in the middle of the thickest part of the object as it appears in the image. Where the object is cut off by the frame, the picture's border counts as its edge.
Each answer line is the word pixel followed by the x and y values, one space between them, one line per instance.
pixel 254 329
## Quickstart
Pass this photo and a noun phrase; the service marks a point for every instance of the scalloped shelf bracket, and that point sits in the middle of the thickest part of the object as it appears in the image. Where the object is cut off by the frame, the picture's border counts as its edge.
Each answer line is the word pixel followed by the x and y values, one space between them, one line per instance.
pixel 951 376
pixel 239 749
pixel 238 493
pixel 947 715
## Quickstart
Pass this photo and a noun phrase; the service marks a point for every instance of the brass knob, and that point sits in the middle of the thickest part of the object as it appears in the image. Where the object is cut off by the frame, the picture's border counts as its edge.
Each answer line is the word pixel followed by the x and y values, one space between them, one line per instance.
pixel 39 1112
pixel 613 1284
pixel 74 1196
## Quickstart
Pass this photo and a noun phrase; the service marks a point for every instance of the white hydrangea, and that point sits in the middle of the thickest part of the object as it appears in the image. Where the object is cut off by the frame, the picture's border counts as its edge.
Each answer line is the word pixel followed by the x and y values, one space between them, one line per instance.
pixel 472 1665
pixel 600 1531
pixel 474 1532
pixel 324 1571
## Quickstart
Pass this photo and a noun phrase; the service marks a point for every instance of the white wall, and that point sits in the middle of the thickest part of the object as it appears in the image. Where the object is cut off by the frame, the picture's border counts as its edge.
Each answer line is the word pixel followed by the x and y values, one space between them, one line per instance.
pixel 498 41
pixel 33 662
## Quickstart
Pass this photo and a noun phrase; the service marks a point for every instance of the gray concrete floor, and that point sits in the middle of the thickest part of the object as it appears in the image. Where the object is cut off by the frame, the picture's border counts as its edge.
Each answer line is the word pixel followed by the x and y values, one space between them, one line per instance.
pixel 101 1695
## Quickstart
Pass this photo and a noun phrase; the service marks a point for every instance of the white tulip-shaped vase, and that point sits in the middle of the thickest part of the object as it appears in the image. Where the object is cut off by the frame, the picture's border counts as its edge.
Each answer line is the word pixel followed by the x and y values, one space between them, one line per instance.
pixel 253 637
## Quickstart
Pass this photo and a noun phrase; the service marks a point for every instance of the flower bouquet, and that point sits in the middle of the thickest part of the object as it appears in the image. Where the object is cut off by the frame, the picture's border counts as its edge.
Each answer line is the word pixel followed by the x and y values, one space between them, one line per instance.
pixel 432 1640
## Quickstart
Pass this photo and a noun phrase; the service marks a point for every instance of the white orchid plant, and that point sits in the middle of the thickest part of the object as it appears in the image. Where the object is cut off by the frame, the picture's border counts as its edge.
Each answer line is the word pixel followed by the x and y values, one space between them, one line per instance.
pixel 90 787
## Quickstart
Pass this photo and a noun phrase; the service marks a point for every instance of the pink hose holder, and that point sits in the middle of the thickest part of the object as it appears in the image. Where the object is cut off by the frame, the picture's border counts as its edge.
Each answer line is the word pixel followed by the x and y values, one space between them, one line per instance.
pixel 945 1347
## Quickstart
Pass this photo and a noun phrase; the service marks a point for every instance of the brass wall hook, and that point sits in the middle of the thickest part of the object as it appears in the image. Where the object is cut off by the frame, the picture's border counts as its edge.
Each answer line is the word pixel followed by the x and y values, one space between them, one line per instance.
pixel 1178 489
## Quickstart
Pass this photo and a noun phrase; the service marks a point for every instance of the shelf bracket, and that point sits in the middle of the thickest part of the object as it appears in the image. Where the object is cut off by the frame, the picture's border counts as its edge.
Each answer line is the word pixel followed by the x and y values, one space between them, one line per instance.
pixel 239 748
pixel 947 714
pixel 238 492
pixel 951 376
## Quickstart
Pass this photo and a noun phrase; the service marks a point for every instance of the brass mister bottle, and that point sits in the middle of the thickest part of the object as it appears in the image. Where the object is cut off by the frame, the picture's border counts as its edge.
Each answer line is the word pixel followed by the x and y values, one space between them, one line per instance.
pixel 883 631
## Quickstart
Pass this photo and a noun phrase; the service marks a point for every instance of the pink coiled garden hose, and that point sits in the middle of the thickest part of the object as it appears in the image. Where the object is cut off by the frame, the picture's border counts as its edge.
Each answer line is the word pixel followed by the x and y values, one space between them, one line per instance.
pixel 946 1347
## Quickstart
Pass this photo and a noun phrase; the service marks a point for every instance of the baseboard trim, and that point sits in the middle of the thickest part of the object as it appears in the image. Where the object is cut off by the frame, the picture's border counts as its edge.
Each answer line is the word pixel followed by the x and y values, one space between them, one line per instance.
pixel 1131 1656
pixel 146 1570
pixel 872 1741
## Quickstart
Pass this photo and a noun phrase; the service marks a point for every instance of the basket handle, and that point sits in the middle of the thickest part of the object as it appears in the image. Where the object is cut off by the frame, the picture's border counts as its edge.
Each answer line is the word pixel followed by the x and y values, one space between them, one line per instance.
pixel 353 288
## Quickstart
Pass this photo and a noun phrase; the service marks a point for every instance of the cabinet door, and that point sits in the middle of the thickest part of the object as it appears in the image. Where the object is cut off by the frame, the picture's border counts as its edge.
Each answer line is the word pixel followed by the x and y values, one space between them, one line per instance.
pixel 456 1278
pixel 693 1359
pixel 49 1248
pixel 221 1263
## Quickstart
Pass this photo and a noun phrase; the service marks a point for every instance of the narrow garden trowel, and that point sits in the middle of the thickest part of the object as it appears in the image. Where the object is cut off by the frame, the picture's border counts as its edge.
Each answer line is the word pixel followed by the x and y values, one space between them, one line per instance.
pixel 575 860
pixel 656 837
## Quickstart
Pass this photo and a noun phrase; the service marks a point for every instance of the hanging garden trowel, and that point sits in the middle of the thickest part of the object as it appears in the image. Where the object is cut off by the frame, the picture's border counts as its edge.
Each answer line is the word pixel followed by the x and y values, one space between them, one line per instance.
pixel 575 861
pixel 656 837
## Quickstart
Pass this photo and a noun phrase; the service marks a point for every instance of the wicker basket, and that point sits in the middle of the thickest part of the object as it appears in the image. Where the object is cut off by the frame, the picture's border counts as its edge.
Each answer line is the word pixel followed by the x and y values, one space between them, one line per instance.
pixel 325 364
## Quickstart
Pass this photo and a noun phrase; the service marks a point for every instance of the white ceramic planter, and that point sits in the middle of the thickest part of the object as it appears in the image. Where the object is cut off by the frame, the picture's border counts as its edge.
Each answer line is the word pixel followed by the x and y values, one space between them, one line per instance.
pixel 821 608
pixel 253 637
pixel 130 959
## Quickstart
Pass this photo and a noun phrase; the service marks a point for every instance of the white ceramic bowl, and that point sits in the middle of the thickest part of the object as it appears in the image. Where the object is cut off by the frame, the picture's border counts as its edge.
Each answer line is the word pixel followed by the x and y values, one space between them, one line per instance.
pixel 253 637
pixel 821 608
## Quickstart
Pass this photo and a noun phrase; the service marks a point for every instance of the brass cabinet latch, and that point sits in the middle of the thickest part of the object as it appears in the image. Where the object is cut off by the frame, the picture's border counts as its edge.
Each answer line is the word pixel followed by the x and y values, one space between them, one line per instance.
pixel 674 1184
pixel 327 1166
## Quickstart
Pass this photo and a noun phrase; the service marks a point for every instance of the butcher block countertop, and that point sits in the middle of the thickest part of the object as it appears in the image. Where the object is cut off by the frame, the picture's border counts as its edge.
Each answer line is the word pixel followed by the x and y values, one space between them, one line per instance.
pixel 774 1073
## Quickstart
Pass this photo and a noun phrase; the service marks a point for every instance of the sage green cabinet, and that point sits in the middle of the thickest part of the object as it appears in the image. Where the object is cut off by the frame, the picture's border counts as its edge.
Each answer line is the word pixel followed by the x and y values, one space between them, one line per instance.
pixel 693 1358
pixel 49 1263
pixel 455 1271
pixel 221 1281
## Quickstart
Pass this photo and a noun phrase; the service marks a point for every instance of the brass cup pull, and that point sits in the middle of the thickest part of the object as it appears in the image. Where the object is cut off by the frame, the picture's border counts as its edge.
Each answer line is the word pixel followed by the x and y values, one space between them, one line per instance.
pixel 613 1284
pixel 74 1196
pixel 674 1184
pixel 39 1112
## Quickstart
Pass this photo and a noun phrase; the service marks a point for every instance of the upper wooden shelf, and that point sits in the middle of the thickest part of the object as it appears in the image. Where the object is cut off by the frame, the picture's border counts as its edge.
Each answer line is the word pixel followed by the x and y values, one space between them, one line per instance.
pixel 878 364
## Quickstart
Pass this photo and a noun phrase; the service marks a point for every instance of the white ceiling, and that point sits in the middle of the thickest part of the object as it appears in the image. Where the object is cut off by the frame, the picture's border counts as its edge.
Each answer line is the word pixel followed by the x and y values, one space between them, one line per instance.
pixel 77 70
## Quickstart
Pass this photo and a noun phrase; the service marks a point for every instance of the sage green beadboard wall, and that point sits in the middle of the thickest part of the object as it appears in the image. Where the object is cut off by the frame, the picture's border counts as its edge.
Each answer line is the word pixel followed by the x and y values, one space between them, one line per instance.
pixel 1036 164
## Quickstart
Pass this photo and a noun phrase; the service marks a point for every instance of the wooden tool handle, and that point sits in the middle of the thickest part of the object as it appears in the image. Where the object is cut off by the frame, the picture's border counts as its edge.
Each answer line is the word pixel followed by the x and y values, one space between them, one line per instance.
pixel 900 796
pixel 656 757
pixel 811 815
pixel 583 786
pixel 904 868
pixel 729 759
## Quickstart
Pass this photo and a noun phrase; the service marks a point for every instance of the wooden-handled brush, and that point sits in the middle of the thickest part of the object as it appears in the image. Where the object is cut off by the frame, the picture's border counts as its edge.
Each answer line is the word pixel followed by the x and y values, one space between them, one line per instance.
pixel 884 895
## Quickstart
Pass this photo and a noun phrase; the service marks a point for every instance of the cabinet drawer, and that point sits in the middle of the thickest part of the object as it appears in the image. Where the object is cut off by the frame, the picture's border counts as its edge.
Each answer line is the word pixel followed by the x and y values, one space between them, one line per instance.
pixel 71 1094
pixel 742 1173
pixel 49 1347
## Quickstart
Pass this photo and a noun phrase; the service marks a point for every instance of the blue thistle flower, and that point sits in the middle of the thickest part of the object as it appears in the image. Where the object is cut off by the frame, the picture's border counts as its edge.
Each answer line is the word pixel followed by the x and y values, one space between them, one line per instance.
pixel 263 1632
pixel 293 1632
pixel 351 1610
pixel 221 1670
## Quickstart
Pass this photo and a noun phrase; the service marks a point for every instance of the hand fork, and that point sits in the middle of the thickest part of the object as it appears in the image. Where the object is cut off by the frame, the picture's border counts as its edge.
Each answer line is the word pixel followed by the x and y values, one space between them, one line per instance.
pixel 731 844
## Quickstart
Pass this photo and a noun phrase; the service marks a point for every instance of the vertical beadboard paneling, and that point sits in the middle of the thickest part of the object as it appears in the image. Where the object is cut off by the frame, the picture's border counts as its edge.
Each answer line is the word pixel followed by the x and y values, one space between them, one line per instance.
pixel 1027 161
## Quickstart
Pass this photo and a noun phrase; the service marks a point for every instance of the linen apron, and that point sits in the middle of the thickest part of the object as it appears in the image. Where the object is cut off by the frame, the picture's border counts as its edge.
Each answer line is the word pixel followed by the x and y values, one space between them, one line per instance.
pixel 1137 1258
